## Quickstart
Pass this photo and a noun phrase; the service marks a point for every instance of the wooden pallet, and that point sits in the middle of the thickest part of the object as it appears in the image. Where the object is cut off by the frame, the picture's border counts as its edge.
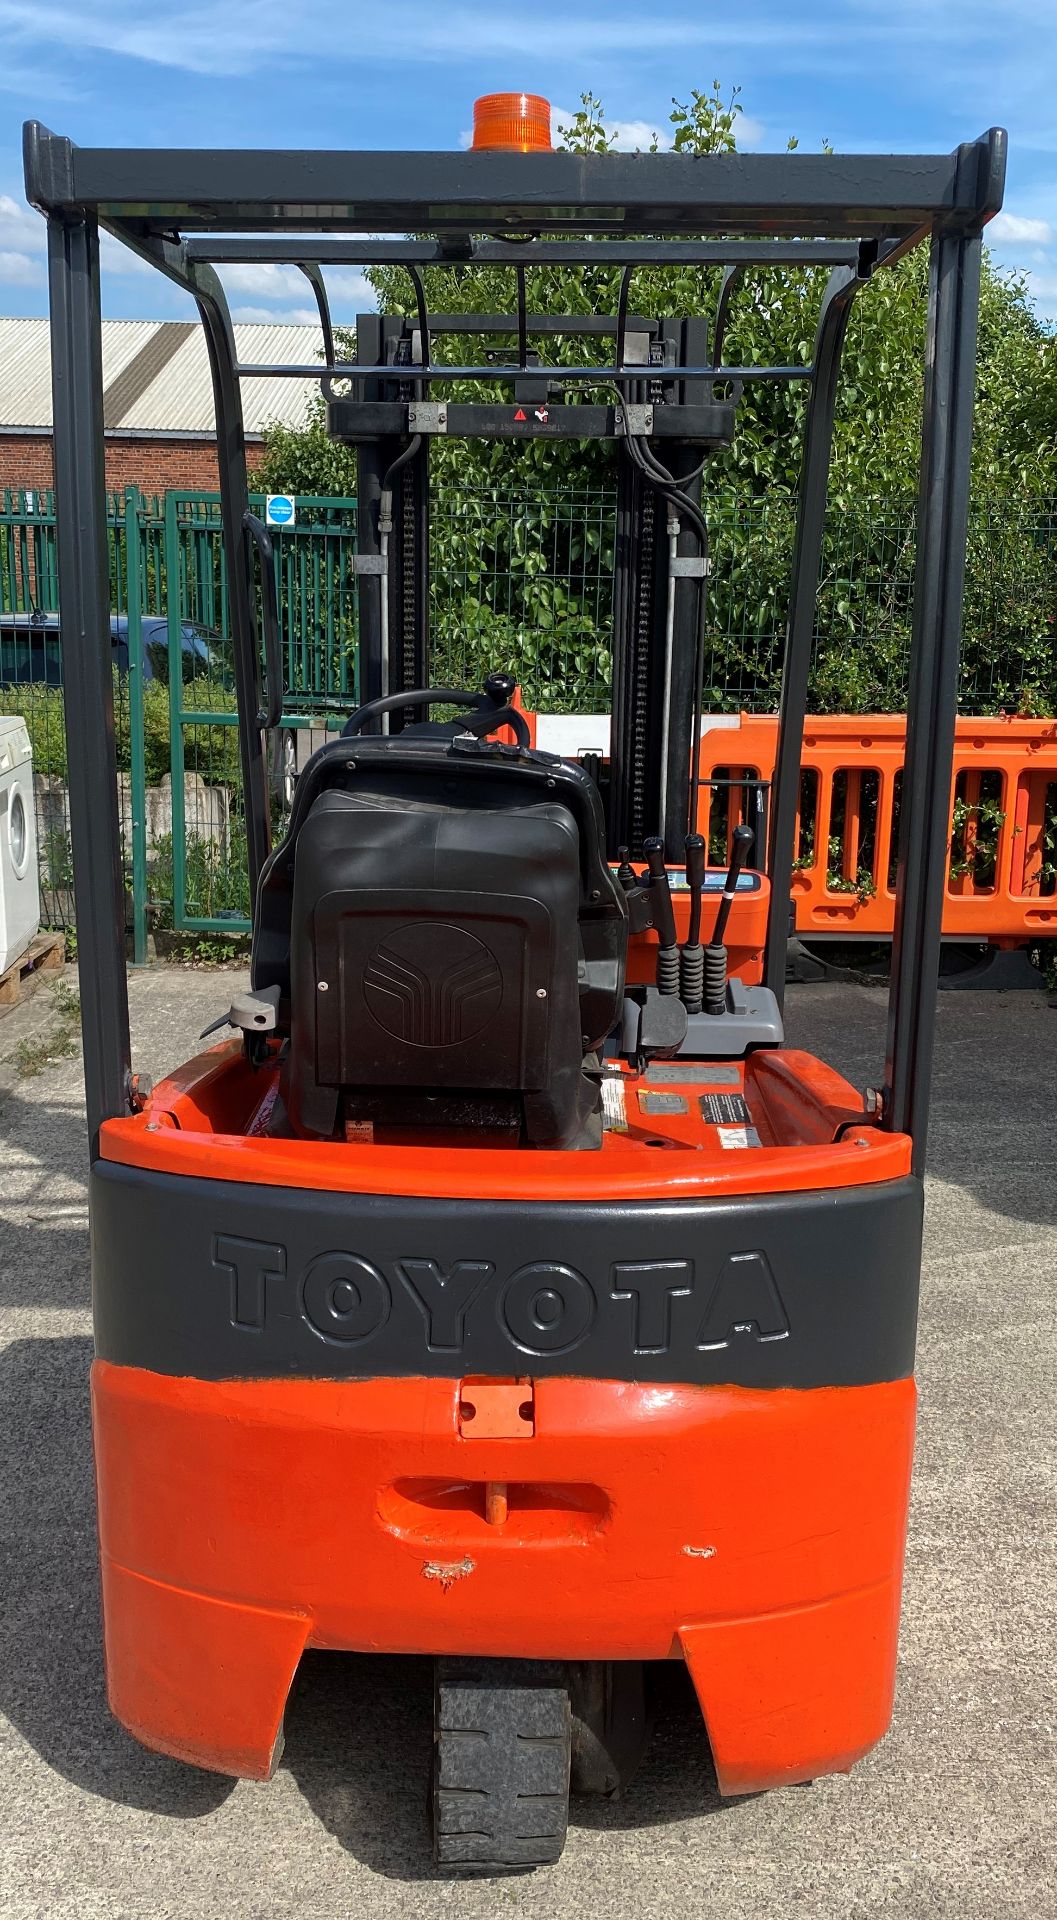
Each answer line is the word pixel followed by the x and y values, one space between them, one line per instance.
pixel 45 954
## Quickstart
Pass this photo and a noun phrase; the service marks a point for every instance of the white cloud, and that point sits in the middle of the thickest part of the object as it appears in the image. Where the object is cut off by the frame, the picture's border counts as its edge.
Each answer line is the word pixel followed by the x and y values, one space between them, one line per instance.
pixel 638 136
pixel 751 134
pixel 273 282
pixel 1016 230
pixel 212 39
pixel 205 40
pixel 349 282
pixel 276 316
pixel 18 270
pixel 347 289
pixel 114 257
pixel 20 227
pixel 1024 244
pixel 629 136
pixel 36 82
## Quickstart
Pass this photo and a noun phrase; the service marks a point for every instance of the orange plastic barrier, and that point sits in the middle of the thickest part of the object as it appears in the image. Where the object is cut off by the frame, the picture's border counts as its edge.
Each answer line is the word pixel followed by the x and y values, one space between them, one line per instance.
pixel 1002 877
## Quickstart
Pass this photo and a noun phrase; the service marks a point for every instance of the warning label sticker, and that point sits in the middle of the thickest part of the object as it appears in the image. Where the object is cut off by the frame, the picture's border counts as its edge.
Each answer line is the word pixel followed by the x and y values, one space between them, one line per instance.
pixel 739 1137
pixel 724 1110
pixel 614 1105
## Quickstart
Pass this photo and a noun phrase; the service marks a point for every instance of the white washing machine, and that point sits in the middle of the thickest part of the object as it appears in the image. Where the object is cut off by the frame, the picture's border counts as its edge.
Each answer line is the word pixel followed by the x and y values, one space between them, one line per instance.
pixel 19 879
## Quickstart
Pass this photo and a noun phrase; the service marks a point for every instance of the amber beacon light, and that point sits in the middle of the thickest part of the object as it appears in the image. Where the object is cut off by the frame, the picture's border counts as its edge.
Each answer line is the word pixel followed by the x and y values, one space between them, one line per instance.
pixel 512 123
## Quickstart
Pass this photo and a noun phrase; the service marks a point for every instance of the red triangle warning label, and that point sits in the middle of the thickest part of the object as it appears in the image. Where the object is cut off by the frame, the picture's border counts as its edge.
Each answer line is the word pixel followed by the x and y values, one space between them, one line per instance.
pixel 521 414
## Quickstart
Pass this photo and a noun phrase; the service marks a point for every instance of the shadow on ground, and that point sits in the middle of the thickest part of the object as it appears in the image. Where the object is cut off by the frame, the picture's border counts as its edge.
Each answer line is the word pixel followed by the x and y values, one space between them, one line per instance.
pixel 359 1738
pixel 44 1254
pixel 993 1119
pixel 51 1658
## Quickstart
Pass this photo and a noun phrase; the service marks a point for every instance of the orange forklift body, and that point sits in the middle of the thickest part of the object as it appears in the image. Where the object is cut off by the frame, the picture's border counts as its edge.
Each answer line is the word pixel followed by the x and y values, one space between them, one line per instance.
pixel 757 1534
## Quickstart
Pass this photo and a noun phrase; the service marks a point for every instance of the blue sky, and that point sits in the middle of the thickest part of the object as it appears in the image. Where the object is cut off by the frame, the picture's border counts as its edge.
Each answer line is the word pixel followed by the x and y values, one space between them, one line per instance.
pixel 910 75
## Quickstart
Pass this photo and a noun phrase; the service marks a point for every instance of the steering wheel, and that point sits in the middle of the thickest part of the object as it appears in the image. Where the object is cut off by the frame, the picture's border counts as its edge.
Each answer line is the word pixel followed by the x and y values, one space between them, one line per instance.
pixel 489 710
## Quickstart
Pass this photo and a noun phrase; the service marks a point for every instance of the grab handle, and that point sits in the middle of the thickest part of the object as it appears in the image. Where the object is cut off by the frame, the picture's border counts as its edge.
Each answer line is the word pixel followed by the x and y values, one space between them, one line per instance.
pixel 272 712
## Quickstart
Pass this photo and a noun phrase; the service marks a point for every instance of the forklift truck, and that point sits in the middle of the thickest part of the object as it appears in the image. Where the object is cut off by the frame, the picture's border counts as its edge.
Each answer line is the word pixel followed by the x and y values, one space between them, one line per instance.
pixel 502 1287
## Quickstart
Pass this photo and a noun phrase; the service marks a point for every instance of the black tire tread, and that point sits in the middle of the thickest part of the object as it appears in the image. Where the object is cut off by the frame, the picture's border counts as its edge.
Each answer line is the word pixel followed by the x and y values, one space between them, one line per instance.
pixel 502 1745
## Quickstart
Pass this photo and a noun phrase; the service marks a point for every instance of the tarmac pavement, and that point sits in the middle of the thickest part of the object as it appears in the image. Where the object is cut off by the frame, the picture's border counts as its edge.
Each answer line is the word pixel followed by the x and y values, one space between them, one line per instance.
pixel 955 1814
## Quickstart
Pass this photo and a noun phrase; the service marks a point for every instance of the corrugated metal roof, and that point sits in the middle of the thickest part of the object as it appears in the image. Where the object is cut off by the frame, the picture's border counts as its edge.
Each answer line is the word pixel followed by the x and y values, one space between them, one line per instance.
pixel 25 365
pixel 181 397
pixel 168 390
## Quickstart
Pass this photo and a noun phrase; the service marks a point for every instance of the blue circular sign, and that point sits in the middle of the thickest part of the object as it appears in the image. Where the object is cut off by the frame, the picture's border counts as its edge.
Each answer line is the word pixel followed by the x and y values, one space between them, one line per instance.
pixel 280 510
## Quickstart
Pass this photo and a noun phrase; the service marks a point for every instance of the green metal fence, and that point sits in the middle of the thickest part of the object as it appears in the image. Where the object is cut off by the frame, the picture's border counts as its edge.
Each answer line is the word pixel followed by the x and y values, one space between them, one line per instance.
pixel 520 579
pixel 179 781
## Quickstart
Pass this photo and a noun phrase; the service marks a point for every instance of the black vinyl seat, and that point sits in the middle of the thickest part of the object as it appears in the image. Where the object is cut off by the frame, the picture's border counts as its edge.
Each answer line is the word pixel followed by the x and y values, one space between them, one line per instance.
pixel 448 941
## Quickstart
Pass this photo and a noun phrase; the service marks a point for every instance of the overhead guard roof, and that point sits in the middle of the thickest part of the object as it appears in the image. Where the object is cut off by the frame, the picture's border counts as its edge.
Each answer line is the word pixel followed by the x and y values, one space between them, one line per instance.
pixel 835 195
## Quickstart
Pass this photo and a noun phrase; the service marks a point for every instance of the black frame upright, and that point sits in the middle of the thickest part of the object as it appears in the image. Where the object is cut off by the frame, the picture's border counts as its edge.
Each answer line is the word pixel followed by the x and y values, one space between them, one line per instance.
pixel 855 213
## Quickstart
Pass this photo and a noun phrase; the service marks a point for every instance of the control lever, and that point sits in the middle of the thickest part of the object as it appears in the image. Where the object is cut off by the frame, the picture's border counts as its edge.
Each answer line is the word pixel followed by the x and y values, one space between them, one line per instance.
pixel 716 952
pixel 626 875
pixel 692 957
pixel 663 917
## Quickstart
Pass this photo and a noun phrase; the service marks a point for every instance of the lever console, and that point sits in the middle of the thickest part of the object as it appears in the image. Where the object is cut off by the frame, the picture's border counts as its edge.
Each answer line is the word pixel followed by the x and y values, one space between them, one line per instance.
pixel 695 1011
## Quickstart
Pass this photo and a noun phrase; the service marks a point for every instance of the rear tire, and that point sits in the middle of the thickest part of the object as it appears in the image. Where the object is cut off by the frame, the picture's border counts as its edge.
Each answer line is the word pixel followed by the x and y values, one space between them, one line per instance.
pixel 502 1735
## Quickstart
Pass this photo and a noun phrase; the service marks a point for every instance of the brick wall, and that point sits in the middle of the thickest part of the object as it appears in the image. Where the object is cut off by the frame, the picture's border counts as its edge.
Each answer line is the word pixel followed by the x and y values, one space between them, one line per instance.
pixel 25 461
pixel 152 465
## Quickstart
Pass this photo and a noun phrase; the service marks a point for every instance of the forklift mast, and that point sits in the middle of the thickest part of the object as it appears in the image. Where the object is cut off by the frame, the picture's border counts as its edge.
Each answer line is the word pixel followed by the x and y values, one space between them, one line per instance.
pixel 656 629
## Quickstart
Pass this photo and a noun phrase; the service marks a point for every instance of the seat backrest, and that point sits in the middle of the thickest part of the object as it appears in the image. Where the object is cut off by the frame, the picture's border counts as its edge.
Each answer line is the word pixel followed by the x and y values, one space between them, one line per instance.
pixel 454 941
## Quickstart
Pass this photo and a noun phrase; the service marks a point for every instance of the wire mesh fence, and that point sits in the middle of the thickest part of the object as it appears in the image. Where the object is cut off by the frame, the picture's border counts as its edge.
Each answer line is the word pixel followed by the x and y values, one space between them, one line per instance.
pixel 525 581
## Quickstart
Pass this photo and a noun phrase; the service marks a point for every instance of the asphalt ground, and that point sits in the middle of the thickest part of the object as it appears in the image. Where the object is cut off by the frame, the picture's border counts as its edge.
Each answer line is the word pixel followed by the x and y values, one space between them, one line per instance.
pixel 955 1813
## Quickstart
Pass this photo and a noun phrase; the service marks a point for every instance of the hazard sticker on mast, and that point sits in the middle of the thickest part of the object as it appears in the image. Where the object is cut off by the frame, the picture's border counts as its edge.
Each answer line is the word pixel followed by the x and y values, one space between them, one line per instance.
pixel 521 414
